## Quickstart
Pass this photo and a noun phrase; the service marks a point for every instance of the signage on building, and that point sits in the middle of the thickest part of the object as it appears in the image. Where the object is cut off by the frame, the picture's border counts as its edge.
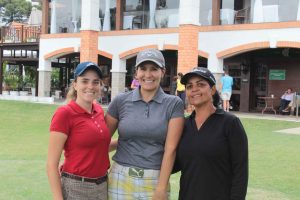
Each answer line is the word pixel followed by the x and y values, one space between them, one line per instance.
pixel 277 74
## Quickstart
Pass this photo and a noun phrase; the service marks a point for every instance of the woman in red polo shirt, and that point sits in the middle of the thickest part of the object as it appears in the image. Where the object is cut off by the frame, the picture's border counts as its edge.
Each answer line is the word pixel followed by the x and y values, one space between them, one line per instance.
pixel 79 130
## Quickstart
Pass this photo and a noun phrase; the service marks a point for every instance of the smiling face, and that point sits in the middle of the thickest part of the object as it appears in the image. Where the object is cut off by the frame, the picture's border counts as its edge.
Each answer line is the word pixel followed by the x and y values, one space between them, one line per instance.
pixel 87 87
pixel 149 75
pixel 199 92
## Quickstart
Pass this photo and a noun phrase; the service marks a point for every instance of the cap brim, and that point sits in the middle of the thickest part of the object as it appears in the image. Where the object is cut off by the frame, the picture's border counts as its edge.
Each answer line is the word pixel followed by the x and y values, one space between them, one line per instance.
pixel 150 60
pixel 188 75
pixel 94 67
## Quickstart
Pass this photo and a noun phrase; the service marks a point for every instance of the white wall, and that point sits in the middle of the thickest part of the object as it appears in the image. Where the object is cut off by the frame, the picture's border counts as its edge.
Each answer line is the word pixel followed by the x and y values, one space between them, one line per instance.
pixel 119 44
pixel 213 42
pixel 116 45
pixel 53 44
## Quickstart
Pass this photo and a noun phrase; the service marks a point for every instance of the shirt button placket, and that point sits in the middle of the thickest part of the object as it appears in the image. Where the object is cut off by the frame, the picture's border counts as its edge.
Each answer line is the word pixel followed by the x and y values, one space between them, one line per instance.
pixel 97 124
pixel 147 110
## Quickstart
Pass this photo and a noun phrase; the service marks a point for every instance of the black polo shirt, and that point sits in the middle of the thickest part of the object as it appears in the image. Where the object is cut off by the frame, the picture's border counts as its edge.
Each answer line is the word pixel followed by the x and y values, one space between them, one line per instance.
pixel 214 159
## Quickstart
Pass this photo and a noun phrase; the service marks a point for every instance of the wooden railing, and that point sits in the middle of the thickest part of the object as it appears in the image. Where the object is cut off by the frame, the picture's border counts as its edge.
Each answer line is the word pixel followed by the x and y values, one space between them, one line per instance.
pixel 20 33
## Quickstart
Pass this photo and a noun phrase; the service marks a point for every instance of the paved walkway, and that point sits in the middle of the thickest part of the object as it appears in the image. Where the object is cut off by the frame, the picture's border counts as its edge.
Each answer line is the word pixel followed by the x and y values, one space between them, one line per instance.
pixel 239 114
pixel 268 116
pixel 295 131
pixel 253 116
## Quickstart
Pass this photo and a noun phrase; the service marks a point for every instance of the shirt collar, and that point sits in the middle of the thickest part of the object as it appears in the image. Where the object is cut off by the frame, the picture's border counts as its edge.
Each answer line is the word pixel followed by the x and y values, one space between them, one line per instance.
pixel 219 111
pixel 78 109
pixel 159 96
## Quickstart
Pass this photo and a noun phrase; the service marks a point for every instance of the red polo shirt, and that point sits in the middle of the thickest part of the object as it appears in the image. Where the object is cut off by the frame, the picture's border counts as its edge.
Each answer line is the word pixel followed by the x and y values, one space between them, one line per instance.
pixel 86 149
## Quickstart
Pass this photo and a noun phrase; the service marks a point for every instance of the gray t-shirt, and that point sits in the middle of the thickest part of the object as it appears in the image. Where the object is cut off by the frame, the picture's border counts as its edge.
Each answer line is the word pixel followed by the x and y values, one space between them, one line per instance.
pixel 143 127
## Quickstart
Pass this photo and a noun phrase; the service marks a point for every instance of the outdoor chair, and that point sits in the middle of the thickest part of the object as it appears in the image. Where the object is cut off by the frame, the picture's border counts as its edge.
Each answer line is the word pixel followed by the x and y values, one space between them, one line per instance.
pixel 242 16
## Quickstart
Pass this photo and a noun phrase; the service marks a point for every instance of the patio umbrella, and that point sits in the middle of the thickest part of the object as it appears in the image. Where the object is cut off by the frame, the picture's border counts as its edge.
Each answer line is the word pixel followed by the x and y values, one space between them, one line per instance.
pixel 53 17
pixel 74 15
pixel 106 23
pixel 298 12
pixel 23 72
pixel 258 14
pixel 35 17
pixel 152 13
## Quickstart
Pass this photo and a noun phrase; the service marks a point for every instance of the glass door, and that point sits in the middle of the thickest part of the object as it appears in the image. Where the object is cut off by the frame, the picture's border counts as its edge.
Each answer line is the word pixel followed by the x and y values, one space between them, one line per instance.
pixel 260 84
pixel 136 14
pixel 235 72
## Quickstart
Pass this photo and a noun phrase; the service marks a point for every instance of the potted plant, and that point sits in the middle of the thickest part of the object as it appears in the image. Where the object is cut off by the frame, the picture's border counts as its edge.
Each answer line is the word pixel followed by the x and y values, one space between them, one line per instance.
pixel 14 84
pixel 8 39
pixel 22 86
pixel 7 83
pixel 30 82
pixel 11 81
pixel 31 39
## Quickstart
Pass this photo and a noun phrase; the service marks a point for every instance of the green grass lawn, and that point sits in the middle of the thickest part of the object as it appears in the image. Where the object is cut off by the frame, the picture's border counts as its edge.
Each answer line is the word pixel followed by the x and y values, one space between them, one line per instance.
pixel 274 158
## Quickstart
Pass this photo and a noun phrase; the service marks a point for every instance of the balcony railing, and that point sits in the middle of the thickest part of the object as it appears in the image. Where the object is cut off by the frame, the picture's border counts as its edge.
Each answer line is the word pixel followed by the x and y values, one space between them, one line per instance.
pixel 20 33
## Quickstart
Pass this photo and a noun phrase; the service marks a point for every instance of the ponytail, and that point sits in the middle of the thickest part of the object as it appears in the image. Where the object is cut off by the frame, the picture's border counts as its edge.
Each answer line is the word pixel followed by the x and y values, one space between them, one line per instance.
pixel 72 94
pixel 216 99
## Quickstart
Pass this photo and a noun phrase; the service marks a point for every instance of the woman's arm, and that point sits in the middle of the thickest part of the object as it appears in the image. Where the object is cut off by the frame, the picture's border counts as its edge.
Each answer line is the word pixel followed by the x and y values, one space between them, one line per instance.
pixel 132 86
pixel 112 125
pixel 175 128
pixel 55 148
pixel 238 145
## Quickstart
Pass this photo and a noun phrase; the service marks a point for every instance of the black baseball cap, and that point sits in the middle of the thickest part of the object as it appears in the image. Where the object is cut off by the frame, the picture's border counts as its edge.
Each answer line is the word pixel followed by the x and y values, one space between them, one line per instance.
pixel 199 71
pixel 82 67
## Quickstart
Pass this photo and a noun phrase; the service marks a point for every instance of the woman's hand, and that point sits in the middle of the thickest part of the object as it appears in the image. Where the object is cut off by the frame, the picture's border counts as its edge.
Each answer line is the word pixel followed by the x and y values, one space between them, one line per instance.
pixel 160 195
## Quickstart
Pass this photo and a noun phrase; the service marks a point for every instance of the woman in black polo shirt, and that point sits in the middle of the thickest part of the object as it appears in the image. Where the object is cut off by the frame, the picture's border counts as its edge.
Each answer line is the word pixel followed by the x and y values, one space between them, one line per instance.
pixel 213 152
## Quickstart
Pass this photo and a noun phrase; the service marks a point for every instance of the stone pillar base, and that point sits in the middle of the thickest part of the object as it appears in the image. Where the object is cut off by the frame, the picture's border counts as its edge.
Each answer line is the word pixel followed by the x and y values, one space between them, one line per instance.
pixel 44 83
pixel 118 83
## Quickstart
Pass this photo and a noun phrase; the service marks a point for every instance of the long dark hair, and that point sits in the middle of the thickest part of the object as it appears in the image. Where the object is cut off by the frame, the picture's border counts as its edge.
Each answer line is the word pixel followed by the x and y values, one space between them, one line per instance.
pixel 216 99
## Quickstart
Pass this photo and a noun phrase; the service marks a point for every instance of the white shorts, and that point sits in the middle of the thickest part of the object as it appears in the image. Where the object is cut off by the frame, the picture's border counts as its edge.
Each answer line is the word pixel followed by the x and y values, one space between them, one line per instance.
pixel 226 96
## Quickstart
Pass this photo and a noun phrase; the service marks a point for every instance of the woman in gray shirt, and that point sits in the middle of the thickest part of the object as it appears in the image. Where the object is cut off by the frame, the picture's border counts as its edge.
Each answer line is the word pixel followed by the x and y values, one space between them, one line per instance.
pixel 149 124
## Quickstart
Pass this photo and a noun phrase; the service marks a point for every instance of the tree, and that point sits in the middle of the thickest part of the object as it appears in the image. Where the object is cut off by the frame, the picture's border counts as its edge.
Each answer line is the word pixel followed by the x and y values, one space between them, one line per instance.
pixel 14 10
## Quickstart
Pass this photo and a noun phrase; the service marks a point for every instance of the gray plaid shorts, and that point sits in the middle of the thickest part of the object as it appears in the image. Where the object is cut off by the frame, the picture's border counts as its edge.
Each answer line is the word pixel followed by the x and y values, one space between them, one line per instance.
pixel 78 190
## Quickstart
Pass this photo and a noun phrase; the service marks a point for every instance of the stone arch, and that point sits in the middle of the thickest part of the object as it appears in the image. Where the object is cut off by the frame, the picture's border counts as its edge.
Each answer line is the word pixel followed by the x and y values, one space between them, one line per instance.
pixel 132 52
pixel 59 52
pixel 203 54
pixel 170 47
pixel 288 44
pixel 243 48
pixel 105 54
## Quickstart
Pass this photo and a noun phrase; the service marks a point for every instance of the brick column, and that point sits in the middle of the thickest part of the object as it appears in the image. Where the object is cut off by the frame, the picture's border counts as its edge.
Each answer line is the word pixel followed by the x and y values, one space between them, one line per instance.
pixel 188 48
pixel 119 14
pixel 45 16
pixel 89 46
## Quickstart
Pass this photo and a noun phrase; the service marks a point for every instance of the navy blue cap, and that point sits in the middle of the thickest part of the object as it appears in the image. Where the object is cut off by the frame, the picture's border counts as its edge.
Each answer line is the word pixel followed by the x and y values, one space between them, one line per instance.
pixel 82 67
pixel 199 71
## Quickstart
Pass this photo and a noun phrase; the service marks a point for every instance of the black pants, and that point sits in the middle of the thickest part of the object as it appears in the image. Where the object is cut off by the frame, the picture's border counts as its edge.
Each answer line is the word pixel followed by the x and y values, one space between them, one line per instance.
pixel 283 105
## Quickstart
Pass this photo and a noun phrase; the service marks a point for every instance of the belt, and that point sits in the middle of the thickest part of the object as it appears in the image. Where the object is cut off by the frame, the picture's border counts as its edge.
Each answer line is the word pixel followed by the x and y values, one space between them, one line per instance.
pixel 84 179
pixel 136 171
